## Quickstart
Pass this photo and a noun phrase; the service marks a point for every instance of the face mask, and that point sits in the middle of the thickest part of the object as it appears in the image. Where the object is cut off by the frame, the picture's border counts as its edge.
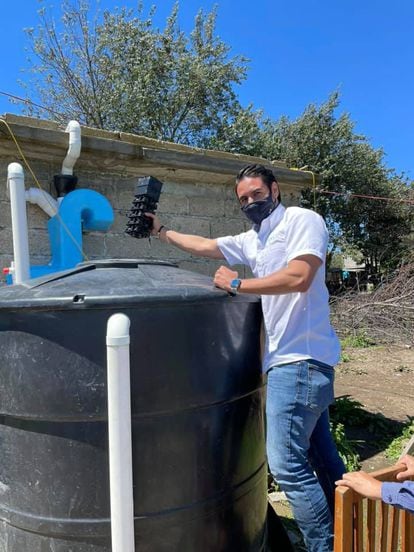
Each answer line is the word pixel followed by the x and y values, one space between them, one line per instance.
pixel 259 210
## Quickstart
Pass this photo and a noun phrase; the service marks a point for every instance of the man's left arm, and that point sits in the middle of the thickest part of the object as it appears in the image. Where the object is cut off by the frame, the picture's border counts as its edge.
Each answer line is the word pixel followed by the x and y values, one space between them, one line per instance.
pixel 297 276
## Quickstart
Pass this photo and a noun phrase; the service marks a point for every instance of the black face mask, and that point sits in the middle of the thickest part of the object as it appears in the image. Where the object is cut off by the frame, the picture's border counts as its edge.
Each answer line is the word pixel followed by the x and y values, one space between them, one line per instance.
pixel 259 210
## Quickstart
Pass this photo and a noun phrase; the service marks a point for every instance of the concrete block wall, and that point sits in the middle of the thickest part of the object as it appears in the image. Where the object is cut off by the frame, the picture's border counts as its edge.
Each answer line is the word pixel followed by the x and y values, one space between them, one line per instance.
pixel 191 202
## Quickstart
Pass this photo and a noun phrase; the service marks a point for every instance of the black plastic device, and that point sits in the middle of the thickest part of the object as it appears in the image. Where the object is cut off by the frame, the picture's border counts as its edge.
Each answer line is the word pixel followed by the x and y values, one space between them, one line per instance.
pixel 147 195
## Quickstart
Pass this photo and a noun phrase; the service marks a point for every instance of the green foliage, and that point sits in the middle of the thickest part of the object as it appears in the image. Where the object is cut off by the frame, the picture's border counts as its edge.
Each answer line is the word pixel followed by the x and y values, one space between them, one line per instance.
pixel 359 340
pixel 337 260
pixel 348 411
pixel 118 72
pixel 396 447
pixel 345 411
pixel 346 447
pixel 347 414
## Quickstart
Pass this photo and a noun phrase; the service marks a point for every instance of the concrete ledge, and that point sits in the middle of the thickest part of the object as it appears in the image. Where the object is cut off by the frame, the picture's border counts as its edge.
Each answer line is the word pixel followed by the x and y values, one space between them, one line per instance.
pixel 139 151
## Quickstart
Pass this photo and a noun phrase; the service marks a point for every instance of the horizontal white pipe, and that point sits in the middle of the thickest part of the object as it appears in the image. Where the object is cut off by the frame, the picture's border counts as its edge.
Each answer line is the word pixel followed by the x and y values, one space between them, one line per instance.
pixel 119 431
pixel 73 153
pixel 15 181
pixel 43 199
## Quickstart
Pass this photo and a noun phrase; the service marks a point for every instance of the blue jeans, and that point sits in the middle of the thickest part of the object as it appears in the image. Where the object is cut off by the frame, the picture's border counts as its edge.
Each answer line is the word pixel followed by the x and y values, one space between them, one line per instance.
pixel 301 453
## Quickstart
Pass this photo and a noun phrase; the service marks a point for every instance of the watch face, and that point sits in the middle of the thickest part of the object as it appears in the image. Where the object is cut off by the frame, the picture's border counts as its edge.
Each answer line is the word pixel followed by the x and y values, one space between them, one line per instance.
pixel 235 284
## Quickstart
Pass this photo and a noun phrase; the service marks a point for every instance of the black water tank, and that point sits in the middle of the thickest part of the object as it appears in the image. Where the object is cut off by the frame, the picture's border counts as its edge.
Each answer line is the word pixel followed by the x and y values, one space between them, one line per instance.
pixel 197 412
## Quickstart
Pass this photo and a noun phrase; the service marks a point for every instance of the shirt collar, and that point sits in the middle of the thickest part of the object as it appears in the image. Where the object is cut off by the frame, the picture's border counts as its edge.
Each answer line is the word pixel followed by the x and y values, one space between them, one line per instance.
pixel 270 223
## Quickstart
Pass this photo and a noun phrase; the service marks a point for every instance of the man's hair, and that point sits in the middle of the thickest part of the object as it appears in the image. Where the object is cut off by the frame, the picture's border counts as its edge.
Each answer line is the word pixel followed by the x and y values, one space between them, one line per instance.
pixel 256 170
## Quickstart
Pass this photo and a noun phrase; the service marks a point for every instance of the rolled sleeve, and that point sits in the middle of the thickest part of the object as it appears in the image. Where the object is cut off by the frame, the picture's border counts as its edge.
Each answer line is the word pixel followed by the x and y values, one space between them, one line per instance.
pixel 400 495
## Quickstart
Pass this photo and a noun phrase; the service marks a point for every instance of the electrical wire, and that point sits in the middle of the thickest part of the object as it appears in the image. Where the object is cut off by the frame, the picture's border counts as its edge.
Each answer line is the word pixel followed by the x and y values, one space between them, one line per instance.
pixel 27 101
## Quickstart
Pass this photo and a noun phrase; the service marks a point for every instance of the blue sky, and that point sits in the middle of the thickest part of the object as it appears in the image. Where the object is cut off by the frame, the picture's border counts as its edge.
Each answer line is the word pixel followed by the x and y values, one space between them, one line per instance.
pixel 299 51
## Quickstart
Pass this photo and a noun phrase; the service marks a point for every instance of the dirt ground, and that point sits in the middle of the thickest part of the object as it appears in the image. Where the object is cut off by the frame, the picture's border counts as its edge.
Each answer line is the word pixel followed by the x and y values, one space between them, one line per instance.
pixel 382 379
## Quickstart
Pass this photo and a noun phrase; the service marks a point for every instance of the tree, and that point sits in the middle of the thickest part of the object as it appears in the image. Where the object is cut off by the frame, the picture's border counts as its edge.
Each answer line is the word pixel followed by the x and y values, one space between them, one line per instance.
pixel 347 164
pixel 116 71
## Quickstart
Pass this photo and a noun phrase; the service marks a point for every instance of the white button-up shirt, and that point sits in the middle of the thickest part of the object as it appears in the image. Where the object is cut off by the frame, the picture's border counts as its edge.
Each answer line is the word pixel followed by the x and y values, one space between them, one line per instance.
pixel 297 324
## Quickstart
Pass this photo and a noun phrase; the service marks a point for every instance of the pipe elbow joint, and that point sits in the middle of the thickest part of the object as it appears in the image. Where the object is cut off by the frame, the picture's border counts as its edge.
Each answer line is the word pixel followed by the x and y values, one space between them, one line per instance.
pixel 117 333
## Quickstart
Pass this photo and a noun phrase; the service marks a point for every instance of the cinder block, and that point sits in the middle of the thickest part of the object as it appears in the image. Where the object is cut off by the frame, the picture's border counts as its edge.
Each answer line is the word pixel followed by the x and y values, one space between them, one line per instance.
pixel 177 205
pixel 120 222
pixel 230 189
pixel 36 217
pixel 104 184
pixel 226 227
pixel 123 198
pixel 164 251
pixel 39 242
pixel 94 244
pixel 194 190
pixel 232 209
pixel 120 246
pixel 6 241
pixel 5 214
pixel 206 207
pixel 190 225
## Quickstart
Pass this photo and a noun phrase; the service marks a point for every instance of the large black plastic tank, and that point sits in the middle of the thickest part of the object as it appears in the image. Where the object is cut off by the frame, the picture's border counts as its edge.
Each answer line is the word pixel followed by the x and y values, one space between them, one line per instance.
pixel 197 412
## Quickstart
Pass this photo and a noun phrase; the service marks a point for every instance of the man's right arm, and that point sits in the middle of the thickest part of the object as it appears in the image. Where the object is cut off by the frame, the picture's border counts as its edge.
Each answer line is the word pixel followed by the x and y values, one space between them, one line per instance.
pixel 196 245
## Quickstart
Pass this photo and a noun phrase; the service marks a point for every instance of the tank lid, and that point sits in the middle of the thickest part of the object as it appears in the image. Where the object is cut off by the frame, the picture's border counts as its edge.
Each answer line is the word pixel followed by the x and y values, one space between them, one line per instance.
pixel 93 265
pixel 114 282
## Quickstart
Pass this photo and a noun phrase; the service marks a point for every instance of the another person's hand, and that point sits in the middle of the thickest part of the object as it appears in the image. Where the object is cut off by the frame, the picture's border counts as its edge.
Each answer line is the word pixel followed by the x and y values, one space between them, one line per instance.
pixel 408 462
pixel 156 223
pixel 223 278
pixel 362 483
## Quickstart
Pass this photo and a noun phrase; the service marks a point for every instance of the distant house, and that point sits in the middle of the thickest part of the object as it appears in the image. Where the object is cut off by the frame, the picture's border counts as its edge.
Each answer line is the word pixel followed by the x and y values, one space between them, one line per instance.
pixel 352 275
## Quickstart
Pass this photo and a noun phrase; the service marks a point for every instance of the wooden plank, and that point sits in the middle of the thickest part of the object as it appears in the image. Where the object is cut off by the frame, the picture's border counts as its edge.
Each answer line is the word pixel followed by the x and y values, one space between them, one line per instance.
pixel 387 474
pixel 409 447
pixel 407 522
pixel 343 519
pixel 371 529
pixel 384 527
pixel 358 525
pixel 394 529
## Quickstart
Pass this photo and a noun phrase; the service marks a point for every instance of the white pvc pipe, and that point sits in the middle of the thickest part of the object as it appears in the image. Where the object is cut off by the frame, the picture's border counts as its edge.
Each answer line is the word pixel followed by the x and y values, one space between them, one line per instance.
pixel 43 199
pixel 15 181
pixel 119 430
pixel 73 153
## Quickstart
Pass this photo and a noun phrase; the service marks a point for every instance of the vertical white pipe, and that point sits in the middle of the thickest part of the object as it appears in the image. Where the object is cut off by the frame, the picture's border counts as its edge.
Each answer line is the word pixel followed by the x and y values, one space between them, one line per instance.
pixel 119 429
pixel 15 180
pixel 73 153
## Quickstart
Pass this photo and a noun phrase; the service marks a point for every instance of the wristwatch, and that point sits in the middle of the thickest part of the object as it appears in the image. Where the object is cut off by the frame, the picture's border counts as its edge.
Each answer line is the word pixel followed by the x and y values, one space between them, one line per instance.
pixel 235 285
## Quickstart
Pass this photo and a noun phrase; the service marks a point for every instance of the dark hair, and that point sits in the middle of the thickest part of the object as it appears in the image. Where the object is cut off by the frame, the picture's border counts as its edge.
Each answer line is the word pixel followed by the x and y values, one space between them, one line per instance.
pixel 256 170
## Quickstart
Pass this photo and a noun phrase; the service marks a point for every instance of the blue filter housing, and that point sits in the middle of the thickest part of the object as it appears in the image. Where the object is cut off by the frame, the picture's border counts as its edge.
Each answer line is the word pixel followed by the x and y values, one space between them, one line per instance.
pixel 80 210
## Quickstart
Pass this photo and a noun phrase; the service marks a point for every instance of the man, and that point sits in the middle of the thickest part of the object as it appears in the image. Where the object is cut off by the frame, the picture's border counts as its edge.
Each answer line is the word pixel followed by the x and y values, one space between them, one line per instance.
pixel 286 251
pixel 397 494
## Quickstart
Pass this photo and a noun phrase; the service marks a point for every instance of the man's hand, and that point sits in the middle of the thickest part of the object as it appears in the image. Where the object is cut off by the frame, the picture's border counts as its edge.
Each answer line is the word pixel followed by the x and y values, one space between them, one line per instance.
pixel 223 278
pixel 408 462
pixel 156 223
pixel 362 483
